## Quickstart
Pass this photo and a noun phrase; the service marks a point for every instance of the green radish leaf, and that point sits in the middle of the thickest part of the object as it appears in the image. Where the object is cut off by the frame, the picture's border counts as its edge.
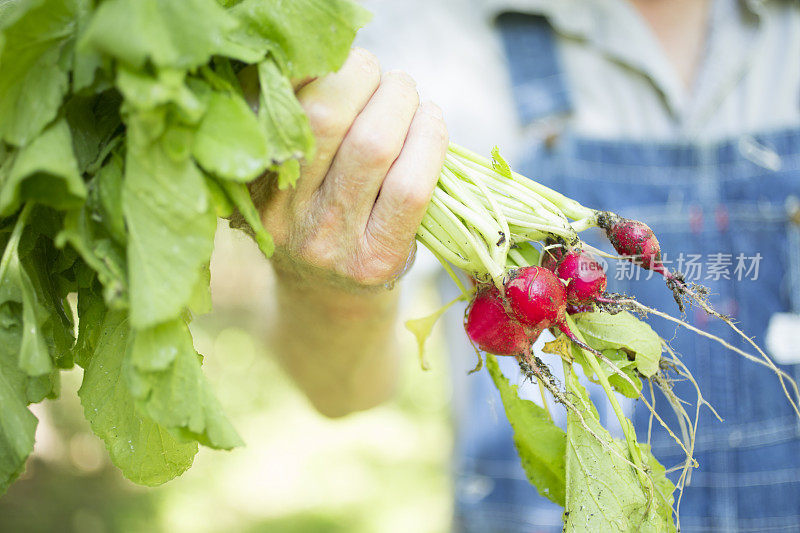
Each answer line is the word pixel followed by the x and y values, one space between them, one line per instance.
pixel 86 62
pixel 422 328
pixel 91 312
pixel 170 220
pixel 106 198
pixel 222 204
pixel 11 11
pixel 93 121
pixel 145 92
pixel 660 516
pixel 33 78
pixel 165 376
pixel 18 295
pixel 239 196
pixel 622 331
pixel 180 35
pixel 146 452
pixel 45 172
pixel 53 311
pixel 17 424
pixel 620 360
pixel 154 348
pixel 230 142
pixel 603 491
pixel 95 232
pixel 499 164
pixel 100 252
pixel 28 332
pixel 288 173
pixel 282 119
pixel 282 29
pixel 618 357
pixel 200 302
pixel 540 443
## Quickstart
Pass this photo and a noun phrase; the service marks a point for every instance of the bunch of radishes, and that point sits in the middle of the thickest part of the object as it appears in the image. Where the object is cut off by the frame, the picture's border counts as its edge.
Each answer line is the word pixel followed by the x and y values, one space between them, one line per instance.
pixel 519 241
pixel 539 297
pixel 486 220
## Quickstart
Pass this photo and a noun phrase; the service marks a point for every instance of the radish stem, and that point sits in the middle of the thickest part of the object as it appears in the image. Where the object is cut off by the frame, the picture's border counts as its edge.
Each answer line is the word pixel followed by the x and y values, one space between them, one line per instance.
pixel 13 241
pixel 627 427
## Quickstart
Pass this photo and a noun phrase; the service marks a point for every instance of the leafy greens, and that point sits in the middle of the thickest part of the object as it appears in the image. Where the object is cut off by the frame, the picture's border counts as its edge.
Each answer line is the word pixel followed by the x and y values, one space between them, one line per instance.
pixel 124 134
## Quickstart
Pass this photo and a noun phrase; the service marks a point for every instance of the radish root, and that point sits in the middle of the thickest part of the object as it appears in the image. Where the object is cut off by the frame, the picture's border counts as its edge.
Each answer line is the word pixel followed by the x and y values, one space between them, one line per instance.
pixel 615 303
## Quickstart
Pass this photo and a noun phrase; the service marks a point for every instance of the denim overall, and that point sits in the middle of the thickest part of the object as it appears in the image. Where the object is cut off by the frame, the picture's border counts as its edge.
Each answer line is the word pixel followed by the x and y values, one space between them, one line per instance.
pixel 722 201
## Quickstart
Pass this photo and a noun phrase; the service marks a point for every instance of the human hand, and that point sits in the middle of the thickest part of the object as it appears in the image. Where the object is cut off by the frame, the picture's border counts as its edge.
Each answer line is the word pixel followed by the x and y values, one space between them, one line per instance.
pixel 349 224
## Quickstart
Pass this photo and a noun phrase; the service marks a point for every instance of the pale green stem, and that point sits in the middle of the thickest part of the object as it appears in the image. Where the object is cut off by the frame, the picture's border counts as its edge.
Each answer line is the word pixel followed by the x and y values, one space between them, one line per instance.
pixel 506 187
pixel 569 207
pixel 440 225
pixel 627 427
pixel 13 241
pixel 438 249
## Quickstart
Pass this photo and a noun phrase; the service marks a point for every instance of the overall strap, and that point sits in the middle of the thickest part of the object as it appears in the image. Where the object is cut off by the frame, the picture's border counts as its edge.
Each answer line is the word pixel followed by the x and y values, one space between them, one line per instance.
pixel 537 78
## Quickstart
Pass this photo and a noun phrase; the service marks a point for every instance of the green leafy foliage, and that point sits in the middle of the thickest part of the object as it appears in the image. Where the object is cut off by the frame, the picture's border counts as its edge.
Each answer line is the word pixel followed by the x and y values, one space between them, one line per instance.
pixel 170 220
pixel 146 452
pixel 179 34
pixel 603 492
pixel 30 339
pixel 280 114
pixel 501 166
pixel 166 378
pixel 35 75
pixel 540 443
pixel 622 362
pixel 45 172
pixel 422 328
pixel 17 425
pixel 230 142
pixel 622 331
pixel 124 133
pixel 282 29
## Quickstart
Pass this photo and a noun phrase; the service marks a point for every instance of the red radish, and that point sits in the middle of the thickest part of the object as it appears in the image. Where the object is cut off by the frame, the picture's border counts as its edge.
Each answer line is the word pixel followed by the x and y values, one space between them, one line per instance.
pixel 585 278
pixel 539 300
pixel 493 330
pixel 551 257
pixel 537 297
pixel 635 241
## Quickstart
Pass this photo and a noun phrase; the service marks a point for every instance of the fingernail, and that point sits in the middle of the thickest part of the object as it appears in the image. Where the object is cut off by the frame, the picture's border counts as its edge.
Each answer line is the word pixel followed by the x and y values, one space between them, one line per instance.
pixel 431 109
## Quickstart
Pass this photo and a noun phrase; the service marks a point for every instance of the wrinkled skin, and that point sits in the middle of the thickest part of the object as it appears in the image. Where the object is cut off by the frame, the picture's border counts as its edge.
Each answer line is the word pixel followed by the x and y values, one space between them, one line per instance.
pixel 347 230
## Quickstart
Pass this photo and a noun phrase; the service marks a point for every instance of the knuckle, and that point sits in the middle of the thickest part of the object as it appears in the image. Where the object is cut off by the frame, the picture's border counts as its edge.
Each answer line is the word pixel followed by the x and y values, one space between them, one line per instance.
pixel 384 254
pixel 374 148
pixel 318 253
pixel 415 196
pixel 325 121
pixel 321 248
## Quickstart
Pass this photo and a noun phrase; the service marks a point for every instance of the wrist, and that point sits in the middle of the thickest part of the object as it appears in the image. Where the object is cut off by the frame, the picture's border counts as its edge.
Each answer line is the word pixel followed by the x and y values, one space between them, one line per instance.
pixel 322 294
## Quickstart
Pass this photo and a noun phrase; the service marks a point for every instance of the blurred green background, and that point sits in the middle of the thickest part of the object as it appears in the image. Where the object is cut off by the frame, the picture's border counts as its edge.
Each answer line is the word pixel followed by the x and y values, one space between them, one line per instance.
pixel 385 470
